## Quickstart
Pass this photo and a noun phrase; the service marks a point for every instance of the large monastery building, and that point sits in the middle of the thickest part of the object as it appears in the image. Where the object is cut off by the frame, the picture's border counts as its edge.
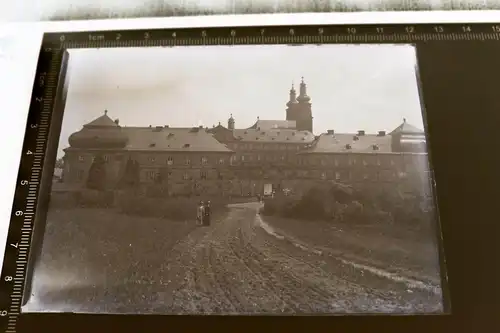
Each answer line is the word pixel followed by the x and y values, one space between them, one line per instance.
pixel 228 160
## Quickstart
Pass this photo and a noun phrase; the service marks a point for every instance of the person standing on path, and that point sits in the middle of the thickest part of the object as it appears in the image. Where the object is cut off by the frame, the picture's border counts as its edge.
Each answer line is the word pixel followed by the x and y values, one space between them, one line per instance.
pixel 207 212
pixel 200 213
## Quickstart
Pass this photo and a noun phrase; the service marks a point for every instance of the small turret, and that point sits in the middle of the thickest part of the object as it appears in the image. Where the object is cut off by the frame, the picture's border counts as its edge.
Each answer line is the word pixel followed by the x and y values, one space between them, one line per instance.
pixel 230 122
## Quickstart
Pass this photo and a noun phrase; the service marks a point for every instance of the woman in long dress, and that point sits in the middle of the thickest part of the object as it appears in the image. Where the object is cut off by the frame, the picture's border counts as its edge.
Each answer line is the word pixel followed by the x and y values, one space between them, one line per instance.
pixel 200 213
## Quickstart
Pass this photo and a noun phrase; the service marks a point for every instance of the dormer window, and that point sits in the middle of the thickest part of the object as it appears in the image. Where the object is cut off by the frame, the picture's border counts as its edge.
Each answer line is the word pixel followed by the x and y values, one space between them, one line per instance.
pixel 152 145
pixel 186 145
pixel 355 138
pixel 375 147
pixel 348 146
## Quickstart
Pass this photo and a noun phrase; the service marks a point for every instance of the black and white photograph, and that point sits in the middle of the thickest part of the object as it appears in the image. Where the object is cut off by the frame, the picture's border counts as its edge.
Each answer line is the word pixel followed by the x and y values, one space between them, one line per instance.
pixel 241 180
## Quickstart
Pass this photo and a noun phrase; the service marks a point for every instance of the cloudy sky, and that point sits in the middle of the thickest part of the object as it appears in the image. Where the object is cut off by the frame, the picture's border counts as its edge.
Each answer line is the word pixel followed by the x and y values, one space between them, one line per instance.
pixel 352 87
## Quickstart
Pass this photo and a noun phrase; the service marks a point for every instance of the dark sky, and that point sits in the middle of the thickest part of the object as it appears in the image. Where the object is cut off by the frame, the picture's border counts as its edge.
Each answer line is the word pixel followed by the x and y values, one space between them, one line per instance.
pixel 352 87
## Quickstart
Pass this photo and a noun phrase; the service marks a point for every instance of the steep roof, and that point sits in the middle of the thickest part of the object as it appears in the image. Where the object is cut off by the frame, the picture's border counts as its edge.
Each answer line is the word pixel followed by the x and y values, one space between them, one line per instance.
pixel 273 135
pixel 406 128
pixel 274 124
pixel 102 121
pixel 337 143
pixel 172 139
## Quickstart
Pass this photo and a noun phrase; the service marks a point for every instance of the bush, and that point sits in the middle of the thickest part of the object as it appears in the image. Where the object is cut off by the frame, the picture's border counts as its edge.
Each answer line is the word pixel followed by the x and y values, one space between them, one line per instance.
pixel 94 199
pixel 173 208
pixel 130 178
pixel 84 199
pixel 341 203
pixel 97 174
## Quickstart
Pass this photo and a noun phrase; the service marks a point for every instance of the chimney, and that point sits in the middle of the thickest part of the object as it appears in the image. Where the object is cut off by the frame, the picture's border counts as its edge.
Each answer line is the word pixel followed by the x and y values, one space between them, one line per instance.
pixel 201 126
pixel 117 121
pixel 381 133
pixel 166 126
pixel 149 126
pixel 331 132
pixel 361 132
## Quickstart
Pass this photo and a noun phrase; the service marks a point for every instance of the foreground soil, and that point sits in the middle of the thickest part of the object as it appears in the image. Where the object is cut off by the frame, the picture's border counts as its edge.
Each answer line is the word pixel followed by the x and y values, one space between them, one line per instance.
pixel 98 261
pixel 394 249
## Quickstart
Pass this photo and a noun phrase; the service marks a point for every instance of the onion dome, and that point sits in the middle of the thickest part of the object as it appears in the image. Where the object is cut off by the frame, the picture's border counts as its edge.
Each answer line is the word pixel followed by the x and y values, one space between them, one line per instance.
pixel 102 132
pixel 293 97
pixel 303 98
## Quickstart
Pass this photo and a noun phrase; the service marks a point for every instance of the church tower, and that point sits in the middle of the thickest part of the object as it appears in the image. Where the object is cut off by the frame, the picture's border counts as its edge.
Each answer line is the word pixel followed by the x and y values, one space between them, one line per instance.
pixel 230 123
pixel 299 108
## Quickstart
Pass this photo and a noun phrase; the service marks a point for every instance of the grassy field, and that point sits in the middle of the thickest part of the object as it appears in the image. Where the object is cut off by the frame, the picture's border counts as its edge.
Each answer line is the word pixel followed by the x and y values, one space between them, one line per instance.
pixel 384 246
pixel 100 242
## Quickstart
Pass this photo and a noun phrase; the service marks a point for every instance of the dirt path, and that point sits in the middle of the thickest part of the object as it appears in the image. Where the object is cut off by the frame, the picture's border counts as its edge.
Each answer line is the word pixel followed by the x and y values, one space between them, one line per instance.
pixel 238 265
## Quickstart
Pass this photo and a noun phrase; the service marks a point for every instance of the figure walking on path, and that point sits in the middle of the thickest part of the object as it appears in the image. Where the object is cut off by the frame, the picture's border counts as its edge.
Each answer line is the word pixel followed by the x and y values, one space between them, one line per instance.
pixel 200 213
pixel 207 212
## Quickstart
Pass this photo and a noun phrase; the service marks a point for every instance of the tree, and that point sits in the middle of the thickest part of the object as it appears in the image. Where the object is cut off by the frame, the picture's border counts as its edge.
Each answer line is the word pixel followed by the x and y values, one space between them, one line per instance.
pixel 59 163
pixel 97 174
pixel 130 178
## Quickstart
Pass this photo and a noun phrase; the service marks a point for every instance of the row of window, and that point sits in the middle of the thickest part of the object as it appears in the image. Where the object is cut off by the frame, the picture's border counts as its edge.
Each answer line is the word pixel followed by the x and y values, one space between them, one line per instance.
pixel 169 161
pixel 81 158
pixel 249 158
pixel 153 175
pixel 250 146
pixel 350 161
pixel 304 161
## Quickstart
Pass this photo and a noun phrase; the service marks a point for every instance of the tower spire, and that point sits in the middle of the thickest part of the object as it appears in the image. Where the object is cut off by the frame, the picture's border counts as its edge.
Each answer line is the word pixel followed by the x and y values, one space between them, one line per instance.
pixel 293 96
pixel 230 122
pixel 303 98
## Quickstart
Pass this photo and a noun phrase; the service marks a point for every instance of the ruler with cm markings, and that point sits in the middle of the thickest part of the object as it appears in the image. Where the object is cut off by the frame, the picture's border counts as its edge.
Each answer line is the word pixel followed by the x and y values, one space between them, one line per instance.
pixel 37 163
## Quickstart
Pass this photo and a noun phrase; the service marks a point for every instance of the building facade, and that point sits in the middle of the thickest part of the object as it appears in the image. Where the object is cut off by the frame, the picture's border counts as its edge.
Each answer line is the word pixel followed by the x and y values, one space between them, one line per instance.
pixel 241 161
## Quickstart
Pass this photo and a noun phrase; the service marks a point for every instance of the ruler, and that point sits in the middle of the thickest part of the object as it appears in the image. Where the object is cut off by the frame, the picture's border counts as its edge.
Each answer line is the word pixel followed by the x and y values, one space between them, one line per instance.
pixel 395 33
pixel 34 179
